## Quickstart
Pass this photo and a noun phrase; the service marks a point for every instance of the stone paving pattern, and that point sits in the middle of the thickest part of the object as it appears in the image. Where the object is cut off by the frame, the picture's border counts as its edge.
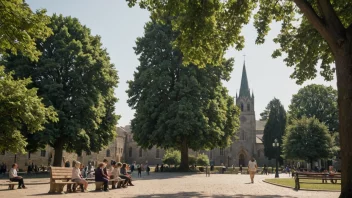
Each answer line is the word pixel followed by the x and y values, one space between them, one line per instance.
pixel 177 185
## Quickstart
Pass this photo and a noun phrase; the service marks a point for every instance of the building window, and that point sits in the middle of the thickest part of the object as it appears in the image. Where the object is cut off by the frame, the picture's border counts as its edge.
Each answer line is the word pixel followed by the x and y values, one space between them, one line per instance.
pixel 157 154
pixel 108 153
pixel 130 152
pixel 140 152
pixel 221 151
pixel 42 153
pixel 241 106
pixel 258 153
pixel 211 154
pixel 242 135
pixel 248 107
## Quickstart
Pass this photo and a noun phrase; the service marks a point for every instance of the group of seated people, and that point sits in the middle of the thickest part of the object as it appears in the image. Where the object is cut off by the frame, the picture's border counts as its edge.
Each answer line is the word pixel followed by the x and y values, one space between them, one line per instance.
pixel 118 172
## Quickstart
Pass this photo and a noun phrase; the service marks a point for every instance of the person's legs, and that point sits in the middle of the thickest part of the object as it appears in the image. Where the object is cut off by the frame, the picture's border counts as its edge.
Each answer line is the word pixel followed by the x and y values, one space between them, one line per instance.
pixel 19 180
pixel 106 183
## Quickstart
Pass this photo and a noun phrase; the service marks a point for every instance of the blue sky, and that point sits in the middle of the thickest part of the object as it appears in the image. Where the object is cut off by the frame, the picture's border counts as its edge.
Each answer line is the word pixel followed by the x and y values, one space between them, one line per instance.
pixel 119 26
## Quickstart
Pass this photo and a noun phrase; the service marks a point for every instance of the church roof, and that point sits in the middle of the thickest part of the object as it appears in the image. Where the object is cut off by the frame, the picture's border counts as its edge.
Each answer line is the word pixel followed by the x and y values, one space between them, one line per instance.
pixel 259 125
pixel 244 89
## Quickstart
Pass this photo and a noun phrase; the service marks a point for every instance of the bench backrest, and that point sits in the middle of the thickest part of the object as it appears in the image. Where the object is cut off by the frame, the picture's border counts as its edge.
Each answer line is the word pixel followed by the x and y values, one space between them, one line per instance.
pixel 58 173
pixel 307 174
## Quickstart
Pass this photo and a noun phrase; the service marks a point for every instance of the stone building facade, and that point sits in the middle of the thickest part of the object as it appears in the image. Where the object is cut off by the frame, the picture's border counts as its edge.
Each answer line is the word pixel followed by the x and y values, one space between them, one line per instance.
pixel 247 144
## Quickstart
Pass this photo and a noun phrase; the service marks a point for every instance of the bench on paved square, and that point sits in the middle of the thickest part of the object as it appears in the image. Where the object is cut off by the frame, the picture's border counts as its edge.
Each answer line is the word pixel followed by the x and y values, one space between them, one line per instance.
pixel 100 185
pixel 315 176
pixel 59 178
pixel 10 184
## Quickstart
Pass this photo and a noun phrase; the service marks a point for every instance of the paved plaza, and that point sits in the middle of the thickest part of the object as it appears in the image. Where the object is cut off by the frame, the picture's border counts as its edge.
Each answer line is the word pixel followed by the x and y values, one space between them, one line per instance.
pixel 178 185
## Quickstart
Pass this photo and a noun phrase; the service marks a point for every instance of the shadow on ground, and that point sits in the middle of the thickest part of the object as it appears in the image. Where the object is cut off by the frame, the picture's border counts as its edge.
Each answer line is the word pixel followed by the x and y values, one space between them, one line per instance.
pixel 159 176
pixel 196 194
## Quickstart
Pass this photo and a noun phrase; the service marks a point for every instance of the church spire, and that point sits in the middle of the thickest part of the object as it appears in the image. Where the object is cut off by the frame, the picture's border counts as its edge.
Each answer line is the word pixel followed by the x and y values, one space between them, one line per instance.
pixel 244 90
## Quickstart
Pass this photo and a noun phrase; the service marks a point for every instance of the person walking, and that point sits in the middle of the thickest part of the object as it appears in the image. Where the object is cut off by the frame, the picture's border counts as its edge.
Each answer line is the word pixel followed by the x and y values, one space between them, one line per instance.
pixel 139 169
pixel 252 168
pixel 148 169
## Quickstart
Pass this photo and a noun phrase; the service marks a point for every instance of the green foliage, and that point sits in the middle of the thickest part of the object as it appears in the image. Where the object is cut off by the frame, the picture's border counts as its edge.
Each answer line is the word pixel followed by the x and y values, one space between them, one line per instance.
pixel 307 139
pixel 264 116
pixel 172 157
pixel 20 27
pixel 192 160
pixel 207 28
pixel 21 112
pixel 202 160
pixel 177 105
pixel 74 75
pixel 317 101
pixel 274 128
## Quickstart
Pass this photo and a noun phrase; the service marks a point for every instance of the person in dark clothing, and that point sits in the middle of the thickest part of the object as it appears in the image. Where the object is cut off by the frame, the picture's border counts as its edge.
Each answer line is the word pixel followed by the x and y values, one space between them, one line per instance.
pixel 101 177
pixel 139 169
pixel 124 174
pixel 157 168
pixel 105 161
pixel 162 168
pixel 148 169
pixel 133 167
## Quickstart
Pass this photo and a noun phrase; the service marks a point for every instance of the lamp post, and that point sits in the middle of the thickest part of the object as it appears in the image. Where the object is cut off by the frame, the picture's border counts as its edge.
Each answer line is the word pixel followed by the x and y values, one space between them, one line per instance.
pixel 276 145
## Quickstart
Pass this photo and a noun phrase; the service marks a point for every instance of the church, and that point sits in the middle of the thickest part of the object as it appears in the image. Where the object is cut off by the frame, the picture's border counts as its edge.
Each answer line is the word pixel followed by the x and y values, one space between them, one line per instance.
pixel 248 144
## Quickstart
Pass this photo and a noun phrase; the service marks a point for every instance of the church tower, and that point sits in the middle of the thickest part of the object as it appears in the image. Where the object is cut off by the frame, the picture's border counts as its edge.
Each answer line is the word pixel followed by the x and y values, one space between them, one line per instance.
pixel 246 134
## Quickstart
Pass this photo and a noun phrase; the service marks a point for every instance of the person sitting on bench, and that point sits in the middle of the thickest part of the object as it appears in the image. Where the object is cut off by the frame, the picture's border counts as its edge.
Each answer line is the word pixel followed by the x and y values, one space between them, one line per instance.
pixel 101 177
pixel 115 174
pixel 14 177
pixel 77 177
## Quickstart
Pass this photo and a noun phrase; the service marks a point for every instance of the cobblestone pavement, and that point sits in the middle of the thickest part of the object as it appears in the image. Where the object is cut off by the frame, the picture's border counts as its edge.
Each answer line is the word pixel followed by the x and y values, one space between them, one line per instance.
pixel 178 185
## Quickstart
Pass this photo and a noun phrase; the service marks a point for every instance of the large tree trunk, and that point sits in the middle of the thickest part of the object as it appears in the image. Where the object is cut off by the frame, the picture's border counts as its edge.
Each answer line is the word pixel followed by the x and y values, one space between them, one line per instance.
pixel 344 84
pixel 58 147
pixel 184 166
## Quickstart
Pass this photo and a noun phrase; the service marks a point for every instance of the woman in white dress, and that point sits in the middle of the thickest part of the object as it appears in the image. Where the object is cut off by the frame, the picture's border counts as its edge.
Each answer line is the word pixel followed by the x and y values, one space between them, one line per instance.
pixel 252 168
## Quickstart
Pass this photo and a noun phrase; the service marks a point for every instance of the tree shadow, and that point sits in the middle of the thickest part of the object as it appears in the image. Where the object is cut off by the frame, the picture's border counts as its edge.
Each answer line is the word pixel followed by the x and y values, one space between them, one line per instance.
pixel 197 194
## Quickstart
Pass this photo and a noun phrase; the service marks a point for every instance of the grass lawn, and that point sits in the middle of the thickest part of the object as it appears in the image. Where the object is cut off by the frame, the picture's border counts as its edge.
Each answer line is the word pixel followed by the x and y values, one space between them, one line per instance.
pixel 308 184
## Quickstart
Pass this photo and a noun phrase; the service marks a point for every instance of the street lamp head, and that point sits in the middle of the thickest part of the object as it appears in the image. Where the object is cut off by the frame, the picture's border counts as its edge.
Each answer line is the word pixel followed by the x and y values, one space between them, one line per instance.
pixel 275 140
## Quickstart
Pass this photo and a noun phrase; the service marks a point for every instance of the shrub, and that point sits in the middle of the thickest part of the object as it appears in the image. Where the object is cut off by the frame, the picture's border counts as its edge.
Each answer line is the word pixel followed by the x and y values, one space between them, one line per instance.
pixel 192 160
pixel 172 157
pixel 202 160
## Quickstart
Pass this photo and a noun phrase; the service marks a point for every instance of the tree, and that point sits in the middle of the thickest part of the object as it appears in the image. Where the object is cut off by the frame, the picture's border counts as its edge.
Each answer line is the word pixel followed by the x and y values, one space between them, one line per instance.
pixel 75 76
pixel 274 128
pixel 21 112
pixel 315 31
pixel 307 139
pixel 264 116
pixel 172 157
pixel 20 27
pixel 176 106
pixel 316 101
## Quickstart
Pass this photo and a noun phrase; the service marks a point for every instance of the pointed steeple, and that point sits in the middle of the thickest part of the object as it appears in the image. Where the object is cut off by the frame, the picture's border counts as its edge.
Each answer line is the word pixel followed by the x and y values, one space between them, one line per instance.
pixel 244 90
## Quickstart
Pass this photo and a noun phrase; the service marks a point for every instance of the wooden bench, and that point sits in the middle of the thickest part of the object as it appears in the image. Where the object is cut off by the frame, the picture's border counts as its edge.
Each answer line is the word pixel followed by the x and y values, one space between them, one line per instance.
pixel 315 176
pixel 100 185
pixel 59 178
pixel 10 184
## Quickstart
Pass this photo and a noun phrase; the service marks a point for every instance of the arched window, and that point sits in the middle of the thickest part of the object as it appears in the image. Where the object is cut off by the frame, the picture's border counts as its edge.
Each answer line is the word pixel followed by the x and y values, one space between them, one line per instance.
pixel 242 135
pixel 130 152
pixel 108 153
pixel 258 153
pixel 157 154
pixel 140 152
pixel 241 106
pixel 221 151
pixel 248 107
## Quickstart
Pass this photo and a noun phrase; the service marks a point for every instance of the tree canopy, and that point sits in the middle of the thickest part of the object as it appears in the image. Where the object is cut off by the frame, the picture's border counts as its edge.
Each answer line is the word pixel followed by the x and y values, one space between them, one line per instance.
pixel 21 112
pixel 20 27
pixel 274 128
pixel 75 76
pixel 307 139
pixel 317 101
pixel 176 106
